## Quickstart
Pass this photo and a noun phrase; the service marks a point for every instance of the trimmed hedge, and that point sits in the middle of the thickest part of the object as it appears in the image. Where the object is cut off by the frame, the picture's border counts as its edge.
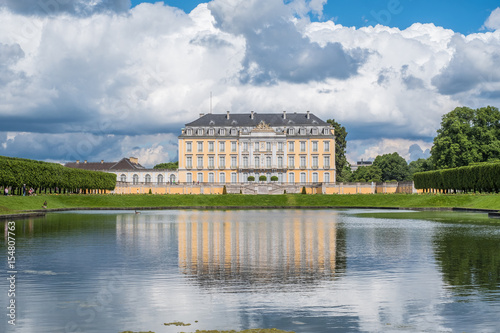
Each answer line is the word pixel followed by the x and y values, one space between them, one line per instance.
pixel 483 177
pixel 14 172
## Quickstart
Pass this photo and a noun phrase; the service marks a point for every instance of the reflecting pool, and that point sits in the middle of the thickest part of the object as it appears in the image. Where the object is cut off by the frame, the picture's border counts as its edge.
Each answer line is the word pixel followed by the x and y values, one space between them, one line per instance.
pixel 296 270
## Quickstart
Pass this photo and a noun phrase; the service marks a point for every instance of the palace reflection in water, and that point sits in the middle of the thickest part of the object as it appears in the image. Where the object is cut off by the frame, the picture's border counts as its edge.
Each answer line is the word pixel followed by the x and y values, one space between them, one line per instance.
pixel 224 246
pixel 239 245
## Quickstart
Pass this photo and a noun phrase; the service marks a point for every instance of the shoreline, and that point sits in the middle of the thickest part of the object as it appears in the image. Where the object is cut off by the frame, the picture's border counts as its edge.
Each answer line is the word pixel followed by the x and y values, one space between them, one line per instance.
pixel 42 212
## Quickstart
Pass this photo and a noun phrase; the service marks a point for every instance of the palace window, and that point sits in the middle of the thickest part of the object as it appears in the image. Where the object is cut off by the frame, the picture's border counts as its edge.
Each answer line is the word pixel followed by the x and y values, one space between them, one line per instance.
pixel 256 146
pixel 222 146
pixel 211 162
pixel 245 161
pixel 280 161
pixel 291 162
pixel 200 146
pixel 211 131
pixel 233 161
pixel 315 161
pixel 291 145
pixel 303 162
pixel 326 161
pixel 315 177
pixel 189 162
pixel 222 161
pixel 257 162
pixel 326 177
pixel 147 179
pixel 268 161
pixel 189 177
pixel 211 177
pixel 189 131
pixel 199 131
pixel 268 146
pixel 123 178
pixel 172 179
pixel 135 179
pixel 233 177
pixel 200 162
pixel 302 146
pixel 210 146
pixel 291 177
pixel 291 131
pixel 159 179
pixel 189 146
pixel 222 131
pixel 315 146
pixel 280 146
pixel 200 177
pixel 245 146
pixel 326 145
pixel 302 177
pixel 222 177
pixel 233 146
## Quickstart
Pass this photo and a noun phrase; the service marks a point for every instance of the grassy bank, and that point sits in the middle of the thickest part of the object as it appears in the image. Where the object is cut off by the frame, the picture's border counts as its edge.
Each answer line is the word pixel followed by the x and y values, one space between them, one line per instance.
pixel 15 204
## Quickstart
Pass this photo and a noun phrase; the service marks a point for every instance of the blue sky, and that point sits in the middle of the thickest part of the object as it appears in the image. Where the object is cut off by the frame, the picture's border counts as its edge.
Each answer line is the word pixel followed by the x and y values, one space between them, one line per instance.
pixel 464 16
pixel 107 79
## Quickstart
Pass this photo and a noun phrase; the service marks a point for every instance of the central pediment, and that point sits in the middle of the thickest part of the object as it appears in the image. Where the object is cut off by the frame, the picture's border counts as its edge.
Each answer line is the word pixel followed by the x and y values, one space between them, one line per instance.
pixel 262 127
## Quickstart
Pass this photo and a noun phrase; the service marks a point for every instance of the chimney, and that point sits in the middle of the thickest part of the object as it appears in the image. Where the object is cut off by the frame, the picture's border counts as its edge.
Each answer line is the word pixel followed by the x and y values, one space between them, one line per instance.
pixel 251 114
pixel 307 115
pixel 284 114
pixel 85 162
pixel 77 161
pixel 134 160
pixel 227 117
pixel 201 115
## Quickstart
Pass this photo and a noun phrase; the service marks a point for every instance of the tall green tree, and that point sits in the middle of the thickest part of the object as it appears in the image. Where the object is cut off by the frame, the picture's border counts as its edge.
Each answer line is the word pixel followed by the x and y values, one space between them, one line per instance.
pixel 167 166
pixel 467 136
pixel 340 148
pixel 393 167
pixel 367 174
pixel 420 165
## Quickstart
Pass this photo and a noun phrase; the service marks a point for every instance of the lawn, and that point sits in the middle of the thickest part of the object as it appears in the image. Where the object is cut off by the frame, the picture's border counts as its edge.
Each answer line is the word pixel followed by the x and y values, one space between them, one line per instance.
pixel 15 204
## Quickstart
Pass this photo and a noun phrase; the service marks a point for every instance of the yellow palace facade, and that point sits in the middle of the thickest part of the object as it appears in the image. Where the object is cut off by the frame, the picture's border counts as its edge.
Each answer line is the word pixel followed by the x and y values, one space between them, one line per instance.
pixel 228 148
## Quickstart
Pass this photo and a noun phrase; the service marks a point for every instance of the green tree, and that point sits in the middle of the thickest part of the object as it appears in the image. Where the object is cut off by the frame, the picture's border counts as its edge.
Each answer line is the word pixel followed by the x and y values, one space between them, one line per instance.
pixel 393 167
pixel 340 148
pixel 367 174
pixel 167 166
pixel 420 165
pixel 467 136
pixel 346 174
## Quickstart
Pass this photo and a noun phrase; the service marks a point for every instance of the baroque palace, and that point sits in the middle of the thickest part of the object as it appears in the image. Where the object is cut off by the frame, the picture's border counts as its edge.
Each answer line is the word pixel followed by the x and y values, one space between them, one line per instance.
pixel 228 148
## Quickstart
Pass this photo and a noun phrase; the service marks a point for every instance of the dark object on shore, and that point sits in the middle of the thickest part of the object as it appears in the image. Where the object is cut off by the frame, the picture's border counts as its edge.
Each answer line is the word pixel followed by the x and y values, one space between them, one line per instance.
pixel 494 215
pixel 44 204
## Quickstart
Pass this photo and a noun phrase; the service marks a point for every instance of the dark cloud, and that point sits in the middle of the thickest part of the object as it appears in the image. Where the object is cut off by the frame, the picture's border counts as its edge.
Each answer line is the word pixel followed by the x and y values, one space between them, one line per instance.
pixel 73 7
pixel 468 68
pixel 210 41
pixel 277 51
pixel 410 81
pixel 416 152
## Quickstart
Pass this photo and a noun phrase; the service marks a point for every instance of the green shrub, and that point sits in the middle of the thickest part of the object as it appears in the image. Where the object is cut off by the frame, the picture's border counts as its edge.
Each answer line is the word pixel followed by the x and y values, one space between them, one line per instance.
pixel 251 178
pixel 224 190
pixel 262 178
pixel 303 190
pixel 274 178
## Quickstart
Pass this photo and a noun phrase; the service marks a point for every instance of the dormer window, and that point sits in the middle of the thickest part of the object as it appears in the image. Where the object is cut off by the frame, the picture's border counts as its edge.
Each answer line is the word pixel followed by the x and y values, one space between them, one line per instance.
pixel 211 131
pixel 222 131
pixel 291 131
pixel 314 131
pixel 302 131
pixel 233 131
pixel 199 131
pixel 189 131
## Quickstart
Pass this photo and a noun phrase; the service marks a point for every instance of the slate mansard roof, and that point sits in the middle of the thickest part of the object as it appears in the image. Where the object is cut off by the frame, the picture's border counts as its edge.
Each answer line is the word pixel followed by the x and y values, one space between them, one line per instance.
pixel 124 164
pixel 246 119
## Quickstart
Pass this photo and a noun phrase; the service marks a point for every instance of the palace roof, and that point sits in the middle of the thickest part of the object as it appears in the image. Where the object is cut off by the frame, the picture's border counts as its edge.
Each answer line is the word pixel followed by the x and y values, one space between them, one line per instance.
pixel 254 118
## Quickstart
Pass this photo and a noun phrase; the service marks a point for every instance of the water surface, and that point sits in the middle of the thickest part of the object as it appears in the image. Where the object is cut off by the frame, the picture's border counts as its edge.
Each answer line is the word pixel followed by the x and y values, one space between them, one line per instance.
pixel 301 270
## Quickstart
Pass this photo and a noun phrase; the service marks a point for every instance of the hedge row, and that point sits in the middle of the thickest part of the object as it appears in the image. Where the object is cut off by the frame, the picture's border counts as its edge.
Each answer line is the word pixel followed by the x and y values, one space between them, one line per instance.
pixel 14 172
pixel 478 178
